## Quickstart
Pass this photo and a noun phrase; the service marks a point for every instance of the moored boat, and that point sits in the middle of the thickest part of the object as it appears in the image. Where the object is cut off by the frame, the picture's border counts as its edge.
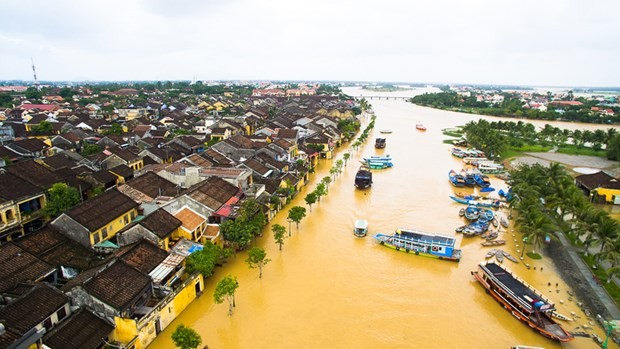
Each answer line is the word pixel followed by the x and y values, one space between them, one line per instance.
pixel 559 316
pixel 380 143
pixel 520 346
pixel 386 131
pixel 499 256
pixel 522 300
pixel 490 254
pixel 420 127
pixel 456 179
pixel 361 228
pixel 363 178
pixel 421 243
pixel 493 242
pixel 479 203
pixel 504 222
pixel 510 257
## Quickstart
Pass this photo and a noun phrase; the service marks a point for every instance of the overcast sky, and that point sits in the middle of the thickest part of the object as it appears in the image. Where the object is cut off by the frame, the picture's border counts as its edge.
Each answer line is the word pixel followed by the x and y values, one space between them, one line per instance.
pixel 525 42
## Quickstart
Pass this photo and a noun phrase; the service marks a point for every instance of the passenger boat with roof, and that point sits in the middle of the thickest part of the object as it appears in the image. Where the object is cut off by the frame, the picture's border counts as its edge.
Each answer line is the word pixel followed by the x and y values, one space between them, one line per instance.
pixel 522 300
pixel 456 179
pixel 363 178
pixel 421 243
pixel 361 228
pixel 380 143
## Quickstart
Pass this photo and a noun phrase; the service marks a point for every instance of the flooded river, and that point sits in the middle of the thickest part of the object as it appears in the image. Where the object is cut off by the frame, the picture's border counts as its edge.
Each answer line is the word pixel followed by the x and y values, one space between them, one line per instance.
pixel 327 289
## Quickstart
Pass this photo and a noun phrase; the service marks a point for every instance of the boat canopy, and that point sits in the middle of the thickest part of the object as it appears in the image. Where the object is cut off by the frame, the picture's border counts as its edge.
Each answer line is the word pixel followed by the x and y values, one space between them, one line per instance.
pixel 361 224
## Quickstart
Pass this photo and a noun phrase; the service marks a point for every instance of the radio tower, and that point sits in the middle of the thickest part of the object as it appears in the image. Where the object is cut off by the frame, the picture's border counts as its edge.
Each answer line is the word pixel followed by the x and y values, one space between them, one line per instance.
pixel 34 73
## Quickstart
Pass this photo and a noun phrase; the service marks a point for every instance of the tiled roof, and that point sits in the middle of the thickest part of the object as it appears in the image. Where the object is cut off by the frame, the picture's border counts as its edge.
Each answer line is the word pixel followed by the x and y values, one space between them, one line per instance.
pixel 153 185
pixel 161 223
pixel 142 255
pixel 598 179
pixel 34 173
pixel 83 330
pixel 56 249
pixel 213 192
pixel 118 285
pixel 17 265
pixel 190 219
pixel 15 188
pixel 32 309
pixel 122 170
pixel 101 210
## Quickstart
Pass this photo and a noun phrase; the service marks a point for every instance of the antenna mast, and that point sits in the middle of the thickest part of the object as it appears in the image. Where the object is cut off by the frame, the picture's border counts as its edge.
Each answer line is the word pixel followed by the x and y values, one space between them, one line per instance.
pixel 34 73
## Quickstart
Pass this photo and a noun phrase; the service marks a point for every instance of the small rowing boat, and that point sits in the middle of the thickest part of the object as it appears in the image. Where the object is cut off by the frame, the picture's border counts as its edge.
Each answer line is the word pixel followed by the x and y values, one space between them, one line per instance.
pixel 504 222
pixel 559 316
pixel 490 254
pixel 499 256
pixel 509 257
pixel 493 242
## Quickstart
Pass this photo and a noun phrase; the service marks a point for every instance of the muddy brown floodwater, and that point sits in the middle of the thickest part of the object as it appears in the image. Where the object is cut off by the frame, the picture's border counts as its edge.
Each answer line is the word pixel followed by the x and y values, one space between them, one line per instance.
pixel 328 289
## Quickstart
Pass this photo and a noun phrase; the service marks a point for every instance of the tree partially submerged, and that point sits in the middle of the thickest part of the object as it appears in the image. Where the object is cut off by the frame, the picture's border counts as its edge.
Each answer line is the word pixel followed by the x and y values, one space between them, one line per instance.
pixel 257 258
pixel 278 234
pixel 247 225
pixel 296 214
pixel 225 291
pixel 204 261
pixel 185 337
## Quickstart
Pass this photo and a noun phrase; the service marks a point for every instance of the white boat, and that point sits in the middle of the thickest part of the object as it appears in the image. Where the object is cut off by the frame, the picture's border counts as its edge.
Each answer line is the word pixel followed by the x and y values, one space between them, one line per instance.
pixel 557 315
pixel 519 346
pixel 386 131
pixel 361 228
pixel 491 253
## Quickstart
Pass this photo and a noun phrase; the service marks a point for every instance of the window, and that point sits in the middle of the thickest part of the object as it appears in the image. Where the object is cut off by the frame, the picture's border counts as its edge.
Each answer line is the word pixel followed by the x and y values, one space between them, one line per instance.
pixel 61 313
pixel 48 323
pixel 133 215
pixel 96 238
pixel 126 219
pixel 104 233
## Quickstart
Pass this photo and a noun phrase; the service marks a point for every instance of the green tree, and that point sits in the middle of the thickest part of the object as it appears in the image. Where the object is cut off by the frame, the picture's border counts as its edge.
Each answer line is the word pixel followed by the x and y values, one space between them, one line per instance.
pixel 90 149
pixel 44 128
pixel 326 180
pixel 185 337
pixel 257 258
pixel 346 156
pixel 296 214
pixel 278 234
pixel 115 129
pixel 225 290
pixel 320 190
pixel 204 261
pixel 310 199
pixel 61 198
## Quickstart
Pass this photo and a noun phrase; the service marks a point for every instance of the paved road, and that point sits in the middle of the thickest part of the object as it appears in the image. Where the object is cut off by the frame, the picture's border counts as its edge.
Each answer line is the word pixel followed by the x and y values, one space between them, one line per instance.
pixel 612 309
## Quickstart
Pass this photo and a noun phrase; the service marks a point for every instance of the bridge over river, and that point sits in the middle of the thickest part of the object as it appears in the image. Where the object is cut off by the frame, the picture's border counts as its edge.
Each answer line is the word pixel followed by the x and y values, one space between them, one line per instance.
pixel 386 97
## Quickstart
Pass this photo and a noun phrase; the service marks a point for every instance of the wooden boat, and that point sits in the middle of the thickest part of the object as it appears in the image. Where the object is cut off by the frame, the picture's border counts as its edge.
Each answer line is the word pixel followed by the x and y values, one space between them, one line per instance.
pixel 493 242
pixel 559 316
pixel 499 256
pixel 361 228
pixel 479 203
pixel 461 212
pixel 421 243
pixel 503 221
pixel 385 131
pixel 363 178
pixel 522 300
pixel 491 235
pixel 490 254
pixel 510 257
pixel 494 221
pixel 380 143
pixel 420 127
pixel 482 180
pixel 520 346
pixel 456 179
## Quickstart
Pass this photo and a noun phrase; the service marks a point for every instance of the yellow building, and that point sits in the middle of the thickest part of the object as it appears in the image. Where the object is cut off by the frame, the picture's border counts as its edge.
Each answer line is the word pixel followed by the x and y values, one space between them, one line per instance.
pixel 98 219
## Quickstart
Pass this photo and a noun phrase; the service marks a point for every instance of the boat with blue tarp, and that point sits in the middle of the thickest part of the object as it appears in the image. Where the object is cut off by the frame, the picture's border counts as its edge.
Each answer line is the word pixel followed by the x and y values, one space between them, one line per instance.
pixel 480 203
pixel 456 179
pixel 521 300
pixel 421 243
pixel 378 162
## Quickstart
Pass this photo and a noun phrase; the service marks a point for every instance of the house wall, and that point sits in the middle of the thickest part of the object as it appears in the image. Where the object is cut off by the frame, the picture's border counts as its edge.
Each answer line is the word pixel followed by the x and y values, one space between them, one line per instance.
pixel 113 227
pixel 608 193
pixel 143 331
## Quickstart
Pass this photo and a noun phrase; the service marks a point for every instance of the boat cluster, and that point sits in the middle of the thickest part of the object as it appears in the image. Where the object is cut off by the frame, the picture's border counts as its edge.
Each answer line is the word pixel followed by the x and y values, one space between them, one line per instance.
pixel 478 160
pixel 376 162
pixel 499 255
pixel 470 178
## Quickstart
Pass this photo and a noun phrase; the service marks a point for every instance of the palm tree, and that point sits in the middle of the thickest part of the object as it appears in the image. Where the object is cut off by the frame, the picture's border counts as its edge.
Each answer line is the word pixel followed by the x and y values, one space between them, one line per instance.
pixel 536 227
pixel 606 233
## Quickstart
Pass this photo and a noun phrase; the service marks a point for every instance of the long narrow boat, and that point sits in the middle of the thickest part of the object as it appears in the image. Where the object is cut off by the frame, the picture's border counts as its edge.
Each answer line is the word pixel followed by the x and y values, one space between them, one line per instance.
pixel 421 243
pixel 493 242
pixel 522 300
pixel 479 203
